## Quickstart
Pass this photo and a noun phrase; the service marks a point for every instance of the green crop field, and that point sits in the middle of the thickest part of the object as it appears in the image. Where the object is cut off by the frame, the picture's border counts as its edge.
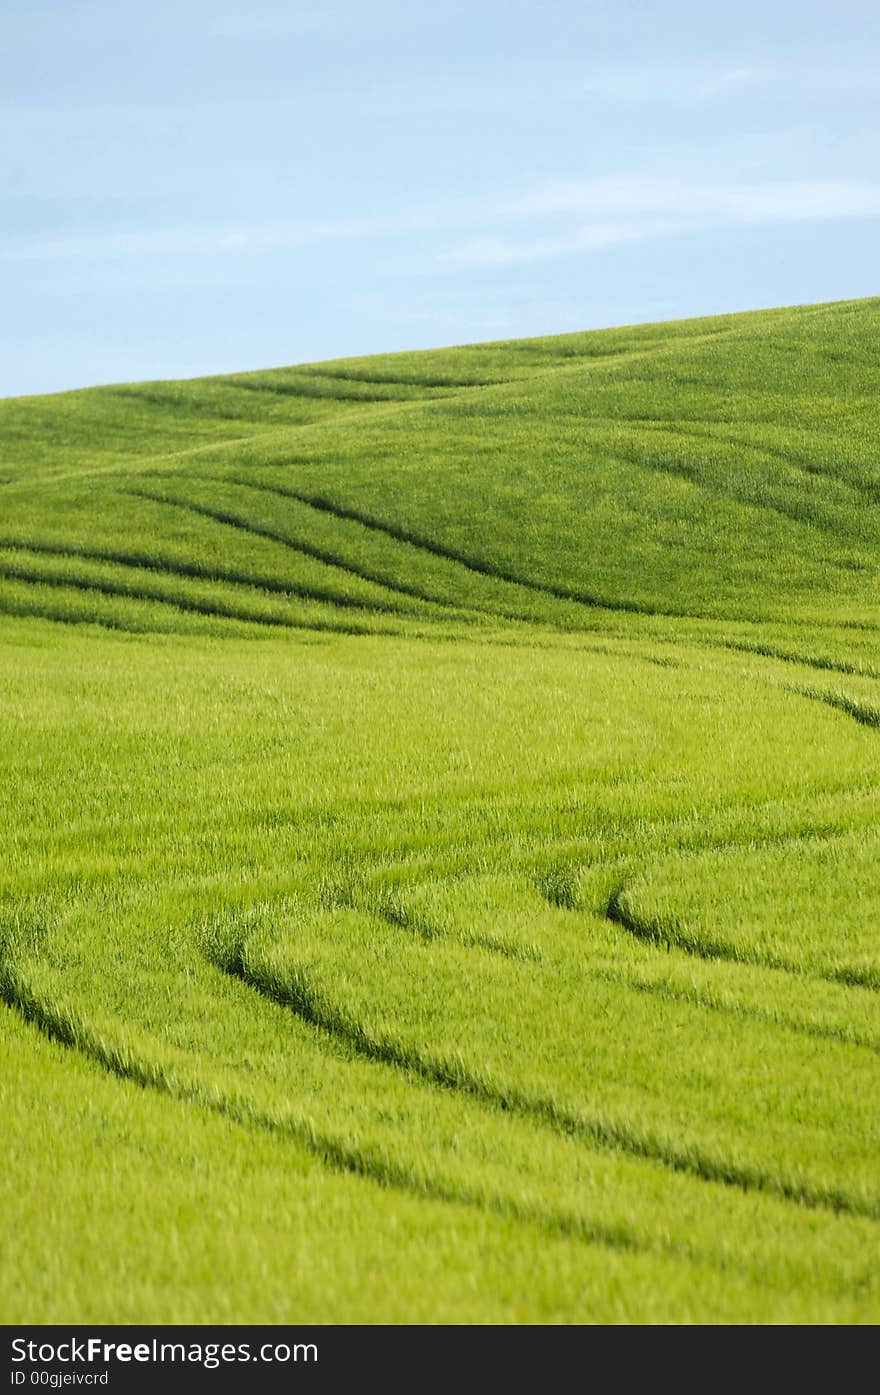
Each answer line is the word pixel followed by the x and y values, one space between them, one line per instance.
pixel 440 842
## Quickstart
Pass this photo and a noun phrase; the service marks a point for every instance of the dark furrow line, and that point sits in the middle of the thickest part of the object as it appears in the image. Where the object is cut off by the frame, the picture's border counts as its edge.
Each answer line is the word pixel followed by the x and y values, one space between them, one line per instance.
pixel 868 489
pixel 862 712
pixel 641 349
pixel 296 994
pixel 703 947
pixel 453 384
pixel 65 1030
pixel 556 886
pixel 125 592
pixel 786 656
pixel 312 392
pixel 405 535
pixel 423 930
pixel 195 572
pixel 233 520
pixel 731 493
pixel 697 997
pixel 692 995
pixel 23 612
pixel 503 612
pixel 186 604
pixel 274 428
pixel 205 410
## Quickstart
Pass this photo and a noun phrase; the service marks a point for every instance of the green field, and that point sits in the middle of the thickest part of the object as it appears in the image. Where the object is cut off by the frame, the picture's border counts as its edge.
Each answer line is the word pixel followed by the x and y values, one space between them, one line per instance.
pixel 439 798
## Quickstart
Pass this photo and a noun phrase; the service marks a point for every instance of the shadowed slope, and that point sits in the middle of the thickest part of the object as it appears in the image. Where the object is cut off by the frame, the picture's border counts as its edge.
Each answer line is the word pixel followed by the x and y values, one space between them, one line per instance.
pixel 711 469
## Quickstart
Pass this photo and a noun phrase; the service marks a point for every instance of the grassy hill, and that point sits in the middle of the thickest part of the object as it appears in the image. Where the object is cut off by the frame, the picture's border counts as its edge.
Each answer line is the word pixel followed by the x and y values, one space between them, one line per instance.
pixel 440 821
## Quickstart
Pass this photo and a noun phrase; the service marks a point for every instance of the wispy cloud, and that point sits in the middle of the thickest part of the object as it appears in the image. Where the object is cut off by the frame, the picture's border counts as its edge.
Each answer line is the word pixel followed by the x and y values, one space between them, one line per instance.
pixel 201 240
pixel 501 251
pixel 746 75
pixel 84 17
pixel 553 220
pixel 737 201
pixel 675 84
pixel 248 23
pixel 566 218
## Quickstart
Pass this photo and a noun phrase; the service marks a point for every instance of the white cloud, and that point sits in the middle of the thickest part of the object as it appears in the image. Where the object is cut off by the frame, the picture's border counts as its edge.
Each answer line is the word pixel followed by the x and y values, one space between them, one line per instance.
pixel 735 201
pixel 577 217
pixel 554 220
pixel 203 240
pixel 746 75
pixel 498 251
pixel 249 23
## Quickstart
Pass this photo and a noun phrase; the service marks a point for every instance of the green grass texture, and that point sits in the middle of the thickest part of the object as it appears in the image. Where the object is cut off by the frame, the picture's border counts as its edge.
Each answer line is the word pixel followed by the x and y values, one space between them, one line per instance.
pixel 439 820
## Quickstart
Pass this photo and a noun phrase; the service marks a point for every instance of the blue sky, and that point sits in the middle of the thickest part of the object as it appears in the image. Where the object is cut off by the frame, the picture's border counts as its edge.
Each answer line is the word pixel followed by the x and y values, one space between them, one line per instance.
pixel 203 186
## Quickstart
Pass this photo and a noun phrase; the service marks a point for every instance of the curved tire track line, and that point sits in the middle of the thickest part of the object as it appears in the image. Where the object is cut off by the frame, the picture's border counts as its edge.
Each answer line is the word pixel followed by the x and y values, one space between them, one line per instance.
pixel 700 999
pixel 136 561
pixel 730 493
pixel 704 998
pixel 244 525
pixel 427 933
pixel 866 489
pixel 788 656
pixel 598 1133
pixel 862 712
pixel 180 604
pixel 311 391
pixel 400 534
pixel 655 932
pixel 66 1031
pixel 491 612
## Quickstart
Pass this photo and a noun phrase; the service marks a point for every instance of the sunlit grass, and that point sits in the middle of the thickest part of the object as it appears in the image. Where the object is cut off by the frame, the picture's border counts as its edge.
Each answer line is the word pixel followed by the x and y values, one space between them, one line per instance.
pixel 438 798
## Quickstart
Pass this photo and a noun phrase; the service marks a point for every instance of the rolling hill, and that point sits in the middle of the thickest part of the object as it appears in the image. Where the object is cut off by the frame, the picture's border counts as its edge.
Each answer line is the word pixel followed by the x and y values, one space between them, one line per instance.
pixel 440 822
